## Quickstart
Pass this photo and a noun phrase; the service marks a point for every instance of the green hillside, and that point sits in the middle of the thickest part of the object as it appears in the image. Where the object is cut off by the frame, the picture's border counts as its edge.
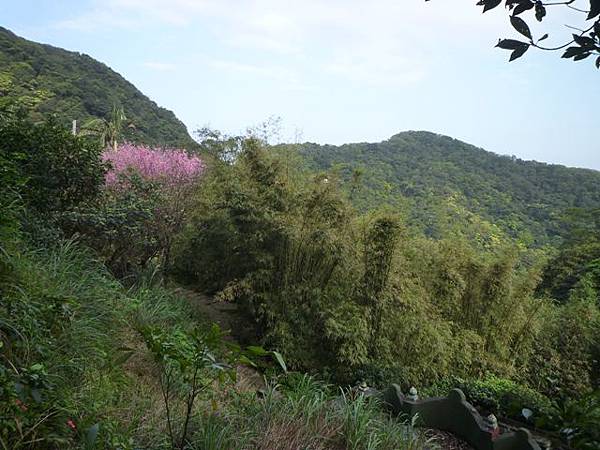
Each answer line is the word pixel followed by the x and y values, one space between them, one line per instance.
pixel 527 199
pixel 49 80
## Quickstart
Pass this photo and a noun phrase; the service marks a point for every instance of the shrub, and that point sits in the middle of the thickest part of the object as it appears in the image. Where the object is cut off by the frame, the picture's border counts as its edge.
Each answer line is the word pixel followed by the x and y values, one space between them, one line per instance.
pixel 562 364
pixel 61 170
pixel 579 422
pixel 55 318
pixel 120 226
pixel 337 291
pixel 501 397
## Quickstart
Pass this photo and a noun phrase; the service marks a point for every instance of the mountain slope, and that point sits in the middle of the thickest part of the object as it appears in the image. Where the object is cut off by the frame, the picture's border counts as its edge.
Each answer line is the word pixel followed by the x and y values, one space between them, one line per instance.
pixel 49 80
pixel 525 198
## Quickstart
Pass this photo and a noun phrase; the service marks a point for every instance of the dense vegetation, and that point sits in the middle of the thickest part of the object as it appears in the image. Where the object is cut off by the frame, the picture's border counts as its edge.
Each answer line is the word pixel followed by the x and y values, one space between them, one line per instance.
pixel 367 296
pixel 98 350
pixel 49 80
pixel 91 361
pixel 436 174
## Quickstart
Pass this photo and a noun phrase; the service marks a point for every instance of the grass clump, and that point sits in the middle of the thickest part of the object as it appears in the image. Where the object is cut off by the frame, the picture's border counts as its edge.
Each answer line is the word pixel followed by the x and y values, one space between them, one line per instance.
pixel 300 412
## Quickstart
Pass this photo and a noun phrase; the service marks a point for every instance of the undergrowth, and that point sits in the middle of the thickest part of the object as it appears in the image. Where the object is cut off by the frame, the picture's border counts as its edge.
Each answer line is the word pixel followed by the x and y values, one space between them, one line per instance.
pixel 76 372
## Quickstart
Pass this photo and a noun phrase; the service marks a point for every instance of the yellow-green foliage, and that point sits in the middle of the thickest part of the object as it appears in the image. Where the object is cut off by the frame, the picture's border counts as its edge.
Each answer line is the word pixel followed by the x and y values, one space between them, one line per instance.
pixel 357 295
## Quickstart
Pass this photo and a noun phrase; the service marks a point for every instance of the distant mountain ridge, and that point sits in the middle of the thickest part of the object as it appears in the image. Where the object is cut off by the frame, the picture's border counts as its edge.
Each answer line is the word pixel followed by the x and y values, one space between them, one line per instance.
pixel 522 197
pixel 50 80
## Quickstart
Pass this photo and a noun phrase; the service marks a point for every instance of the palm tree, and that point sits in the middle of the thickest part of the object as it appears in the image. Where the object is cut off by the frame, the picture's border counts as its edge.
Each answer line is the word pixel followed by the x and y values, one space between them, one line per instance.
pixel 110 130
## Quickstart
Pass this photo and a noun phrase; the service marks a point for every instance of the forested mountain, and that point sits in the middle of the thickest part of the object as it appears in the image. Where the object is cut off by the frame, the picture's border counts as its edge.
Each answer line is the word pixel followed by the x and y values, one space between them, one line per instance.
pixel 527 199
pixel 50 80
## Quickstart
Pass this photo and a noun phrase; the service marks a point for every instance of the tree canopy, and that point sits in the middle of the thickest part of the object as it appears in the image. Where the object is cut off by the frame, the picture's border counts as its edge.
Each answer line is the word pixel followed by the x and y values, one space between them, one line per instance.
pixel 73 86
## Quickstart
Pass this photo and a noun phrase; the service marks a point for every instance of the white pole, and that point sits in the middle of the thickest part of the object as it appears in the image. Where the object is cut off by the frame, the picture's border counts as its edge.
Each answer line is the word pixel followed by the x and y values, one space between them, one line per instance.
pixel 74 129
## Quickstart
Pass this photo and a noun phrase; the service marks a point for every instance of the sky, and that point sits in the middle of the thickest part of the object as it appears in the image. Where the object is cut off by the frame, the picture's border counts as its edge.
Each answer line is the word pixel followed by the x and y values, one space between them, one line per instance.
pixel 339 71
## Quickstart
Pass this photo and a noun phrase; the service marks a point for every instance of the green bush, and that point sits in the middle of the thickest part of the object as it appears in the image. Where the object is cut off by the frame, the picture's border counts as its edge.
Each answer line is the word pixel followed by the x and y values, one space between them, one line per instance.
pixel 55 322
pixel 119 226
pixel 501 397
pixel 579 420
pixel 562 363
pixel 61 170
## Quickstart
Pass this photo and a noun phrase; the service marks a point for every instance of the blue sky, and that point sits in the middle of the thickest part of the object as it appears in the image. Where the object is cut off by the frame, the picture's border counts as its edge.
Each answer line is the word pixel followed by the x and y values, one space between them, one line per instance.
pixel 338 71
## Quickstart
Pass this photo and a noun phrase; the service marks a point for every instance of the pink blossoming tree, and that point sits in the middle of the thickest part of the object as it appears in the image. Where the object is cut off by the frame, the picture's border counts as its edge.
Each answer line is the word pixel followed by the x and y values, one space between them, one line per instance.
pixel 169 167
pixel 170 176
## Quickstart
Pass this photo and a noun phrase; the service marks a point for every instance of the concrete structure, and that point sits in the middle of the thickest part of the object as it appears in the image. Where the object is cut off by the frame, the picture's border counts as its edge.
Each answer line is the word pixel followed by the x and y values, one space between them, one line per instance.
pixel 457 416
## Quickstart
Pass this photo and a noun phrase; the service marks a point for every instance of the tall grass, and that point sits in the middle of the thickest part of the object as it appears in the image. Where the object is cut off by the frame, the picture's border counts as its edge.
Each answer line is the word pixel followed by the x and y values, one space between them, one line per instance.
pixel 67 328
pixel 302 413
pixel 63 313
pixel 58 314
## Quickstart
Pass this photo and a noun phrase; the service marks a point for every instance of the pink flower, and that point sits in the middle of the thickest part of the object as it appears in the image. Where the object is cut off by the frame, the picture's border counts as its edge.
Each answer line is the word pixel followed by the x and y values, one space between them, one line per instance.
pixel 71 424
pixel 168 166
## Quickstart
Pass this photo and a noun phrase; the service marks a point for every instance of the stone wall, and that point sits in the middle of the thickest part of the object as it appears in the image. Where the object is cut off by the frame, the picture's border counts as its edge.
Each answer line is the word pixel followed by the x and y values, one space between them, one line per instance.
pixel 457 416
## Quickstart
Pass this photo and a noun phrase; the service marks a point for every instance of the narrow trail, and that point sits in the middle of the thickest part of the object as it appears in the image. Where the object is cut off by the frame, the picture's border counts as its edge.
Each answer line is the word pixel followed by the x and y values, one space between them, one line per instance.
pixel 225 315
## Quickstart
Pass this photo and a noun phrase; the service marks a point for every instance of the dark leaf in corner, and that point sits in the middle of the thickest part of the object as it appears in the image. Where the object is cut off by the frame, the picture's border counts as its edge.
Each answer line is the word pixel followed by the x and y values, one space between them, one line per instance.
pixel 594 9
pixel 522 7
pixel 520 25
pixel 489 4
pixel 572 51
pixel 581 56
pixel 584 41
pixel 511 44
pixel 519 52
pixel 540 11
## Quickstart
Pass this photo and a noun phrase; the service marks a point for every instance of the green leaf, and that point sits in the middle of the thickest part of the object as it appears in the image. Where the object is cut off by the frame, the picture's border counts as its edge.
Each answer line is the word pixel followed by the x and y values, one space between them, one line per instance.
pixel 520 25
pixel 594 9
pixel 280 360
pixel 247 361
pixel 122 358
pixel 257 351
pixel 584 41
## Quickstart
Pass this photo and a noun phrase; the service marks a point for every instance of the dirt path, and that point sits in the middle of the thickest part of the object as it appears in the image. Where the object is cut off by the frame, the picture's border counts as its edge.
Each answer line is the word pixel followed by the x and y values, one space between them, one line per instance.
pixel 229 320
pixel 223 314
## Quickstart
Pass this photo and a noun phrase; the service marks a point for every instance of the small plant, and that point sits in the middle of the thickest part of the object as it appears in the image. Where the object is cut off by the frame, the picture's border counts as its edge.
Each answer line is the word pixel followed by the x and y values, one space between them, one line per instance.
pixel 500 396
pixel 188 366
pixel 580 420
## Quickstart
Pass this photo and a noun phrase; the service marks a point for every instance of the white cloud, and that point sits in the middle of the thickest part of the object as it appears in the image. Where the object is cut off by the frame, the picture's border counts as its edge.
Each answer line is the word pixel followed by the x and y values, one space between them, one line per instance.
pixel 381 42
